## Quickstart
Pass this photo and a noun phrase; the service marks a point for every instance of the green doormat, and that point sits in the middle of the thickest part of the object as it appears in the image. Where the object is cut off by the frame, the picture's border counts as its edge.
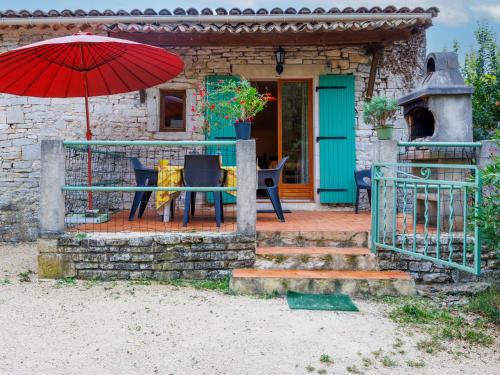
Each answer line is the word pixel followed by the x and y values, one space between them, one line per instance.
pixel 332 302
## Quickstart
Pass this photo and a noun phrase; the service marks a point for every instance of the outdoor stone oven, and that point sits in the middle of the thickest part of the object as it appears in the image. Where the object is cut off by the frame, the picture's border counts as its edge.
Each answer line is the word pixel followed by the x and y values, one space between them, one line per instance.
pixel 440 109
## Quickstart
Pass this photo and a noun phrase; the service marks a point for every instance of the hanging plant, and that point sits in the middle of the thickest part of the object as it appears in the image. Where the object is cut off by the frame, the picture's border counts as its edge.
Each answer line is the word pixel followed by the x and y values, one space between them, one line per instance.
pixel 380 112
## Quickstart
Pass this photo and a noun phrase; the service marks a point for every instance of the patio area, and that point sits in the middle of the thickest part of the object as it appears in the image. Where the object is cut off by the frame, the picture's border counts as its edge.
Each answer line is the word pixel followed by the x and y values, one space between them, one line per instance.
pixel 296 221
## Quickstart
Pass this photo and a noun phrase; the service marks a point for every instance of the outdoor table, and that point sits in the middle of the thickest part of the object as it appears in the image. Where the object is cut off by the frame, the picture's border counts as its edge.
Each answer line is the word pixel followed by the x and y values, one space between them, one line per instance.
pixel 171 175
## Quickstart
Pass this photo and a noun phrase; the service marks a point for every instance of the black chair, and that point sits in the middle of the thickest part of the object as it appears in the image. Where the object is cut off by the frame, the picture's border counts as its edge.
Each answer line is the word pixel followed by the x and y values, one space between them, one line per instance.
pixel 359 177
pixel 203 171
pixel 144 177
pixel 269 180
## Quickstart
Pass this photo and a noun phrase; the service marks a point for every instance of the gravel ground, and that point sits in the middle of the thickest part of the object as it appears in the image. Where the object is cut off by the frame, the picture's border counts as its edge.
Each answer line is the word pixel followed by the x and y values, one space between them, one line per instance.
pixel 122 328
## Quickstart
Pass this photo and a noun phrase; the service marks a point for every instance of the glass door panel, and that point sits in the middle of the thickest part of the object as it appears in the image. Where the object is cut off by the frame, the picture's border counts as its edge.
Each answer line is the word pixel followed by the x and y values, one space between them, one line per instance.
pixel 295 137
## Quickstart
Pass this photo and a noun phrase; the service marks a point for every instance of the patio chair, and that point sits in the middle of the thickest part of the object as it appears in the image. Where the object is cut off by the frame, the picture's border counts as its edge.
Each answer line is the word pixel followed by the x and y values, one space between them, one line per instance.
pixel 144 177
pixel 203 171
pixel 361 184
pixel 269 180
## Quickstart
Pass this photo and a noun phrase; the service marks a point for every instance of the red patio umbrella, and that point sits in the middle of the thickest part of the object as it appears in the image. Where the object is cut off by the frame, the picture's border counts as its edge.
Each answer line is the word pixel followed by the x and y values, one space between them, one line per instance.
pixel 83 65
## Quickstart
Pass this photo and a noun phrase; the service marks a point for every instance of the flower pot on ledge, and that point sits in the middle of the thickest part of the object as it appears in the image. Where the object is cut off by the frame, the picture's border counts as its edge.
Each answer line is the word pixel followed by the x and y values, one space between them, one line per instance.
pixel 243 130
pixel 384 132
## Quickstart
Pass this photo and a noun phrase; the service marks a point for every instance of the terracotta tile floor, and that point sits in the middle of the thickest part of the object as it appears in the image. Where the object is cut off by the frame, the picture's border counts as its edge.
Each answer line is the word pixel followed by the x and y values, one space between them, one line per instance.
pixel 204 220
pixel 316 221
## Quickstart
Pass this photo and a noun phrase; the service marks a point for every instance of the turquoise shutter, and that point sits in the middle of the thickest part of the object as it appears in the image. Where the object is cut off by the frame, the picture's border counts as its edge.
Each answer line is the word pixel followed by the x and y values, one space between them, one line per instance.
pixel 224 131
pixel 337 151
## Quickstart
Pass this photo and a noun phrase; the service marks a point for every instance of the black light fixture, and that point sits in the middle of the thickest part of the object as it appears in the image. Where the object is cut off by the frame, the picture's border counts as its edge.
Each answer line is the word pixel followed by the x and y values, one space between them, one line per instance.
pixel 280 59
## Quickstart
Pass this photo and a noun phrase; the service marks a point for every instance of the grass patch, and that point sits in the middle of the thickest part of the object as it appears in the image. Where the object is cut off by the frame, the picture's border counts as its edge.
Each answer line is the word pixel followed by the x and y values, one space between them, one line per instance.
pixel 388 361
pixel 87 284
pixel 430 346
pixel 398 343
pixel 486 304
pixel 326 359
pixel 353 370
pixel 416 364
pixel 5 282
pixel 367 362
pixel 321 371
pixel 310 368
pixel 442 323
pixel 220 285
pixel 66 281
pixel 273 294
pixel 25 277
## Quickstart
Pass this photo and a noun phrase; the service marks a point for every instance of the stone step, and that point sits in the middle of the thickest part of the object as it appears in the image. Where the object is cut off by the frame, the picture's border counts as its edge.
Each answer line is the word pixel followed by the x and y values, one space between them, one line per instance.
pixel 353 283
pixel 316 258
pixel 312 238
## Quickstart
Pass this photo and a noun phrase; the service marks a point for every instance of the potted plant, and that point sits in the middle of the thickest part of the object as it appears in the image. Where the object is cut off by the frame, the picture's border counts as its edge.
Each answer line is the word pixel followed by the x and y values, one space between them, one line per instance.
pixel 233 101
pixel 381 112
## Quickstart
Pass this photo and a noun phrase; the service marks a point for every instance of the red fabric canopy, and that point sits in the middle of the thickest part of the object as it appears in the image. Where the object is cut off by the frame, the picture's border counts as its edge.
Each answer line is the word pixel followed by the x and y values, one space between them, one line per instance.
pixel 84 65
pixel 57 67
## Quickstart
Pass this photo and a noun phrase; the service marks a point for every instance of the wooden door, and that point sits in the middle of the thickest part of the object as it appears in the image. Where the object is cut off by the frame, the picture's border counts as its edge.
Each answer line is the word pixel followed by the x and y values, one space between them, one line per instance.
pixel 295 133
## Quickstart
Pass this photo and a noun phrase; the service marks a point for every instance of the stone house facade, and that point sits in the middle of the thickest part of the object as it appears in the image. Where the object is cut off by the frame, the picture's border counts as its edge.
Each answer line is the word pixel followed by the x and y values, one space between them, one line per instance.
pixel 383 55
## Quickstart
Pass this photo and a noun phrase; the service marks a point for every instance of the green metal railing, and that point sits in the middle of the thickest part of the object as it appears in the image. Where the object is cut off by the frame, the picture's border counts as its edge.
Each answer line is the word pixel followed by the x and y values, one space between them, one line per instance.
pixel 425 210
pixel 82 144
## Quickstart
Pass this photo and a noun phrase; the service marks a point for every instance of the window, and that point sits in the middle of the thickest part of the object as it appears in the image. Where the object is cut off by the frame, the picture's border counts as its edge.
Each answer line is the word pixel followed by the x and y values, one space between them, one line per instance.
pixel 172 111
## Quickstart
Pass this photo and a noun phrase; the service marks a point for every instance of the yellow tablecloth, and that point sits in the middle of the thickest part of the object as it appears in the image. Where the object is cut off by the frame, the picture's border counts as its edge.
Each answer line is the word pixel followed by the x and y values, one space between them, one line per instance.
pixel 171 175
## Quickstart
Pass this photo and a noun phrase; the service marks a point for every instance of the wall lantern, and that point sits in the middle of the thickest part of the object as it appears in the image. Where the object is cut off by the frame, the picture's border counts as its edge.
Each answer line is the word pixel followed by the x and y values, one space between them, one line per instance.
pixel 280 59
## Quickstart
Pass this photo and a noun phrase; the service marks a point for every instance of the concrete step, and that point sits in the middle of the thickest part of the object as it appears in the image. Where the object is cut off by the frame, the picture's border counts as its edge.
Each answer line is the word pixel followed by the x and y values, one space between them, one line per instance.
pixel 353 283
pixel 316 258
pixel 312 238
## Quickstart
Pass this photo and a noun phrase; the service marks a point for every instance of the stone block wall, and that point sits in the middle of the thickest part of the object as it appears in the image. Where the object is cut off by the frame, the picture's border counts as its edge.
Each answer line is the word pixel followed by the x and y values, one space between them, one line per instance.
pixel 25 121
pixel 157 257
pixel 430 272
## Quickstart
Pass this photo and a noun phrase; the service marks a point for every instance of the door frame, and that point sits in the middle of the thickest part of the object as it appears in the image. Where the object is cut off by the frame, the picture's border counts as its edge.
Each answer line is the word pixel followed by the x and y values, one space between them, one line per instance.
pixel 298 191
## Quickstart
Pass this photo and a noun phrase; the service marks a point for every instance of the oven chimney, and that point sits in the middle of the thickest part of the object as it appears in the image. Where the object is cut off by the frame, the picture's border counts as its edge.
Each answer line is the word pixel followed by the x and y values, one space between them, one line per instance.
pixel 440 108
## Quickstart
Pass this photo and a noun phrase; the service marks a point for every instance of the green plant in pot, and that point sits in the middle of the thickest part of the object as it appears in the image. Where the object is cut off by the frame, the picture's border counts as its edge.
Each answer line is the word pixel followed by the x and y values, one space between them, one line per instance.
pixel 381 112
pixel 234 101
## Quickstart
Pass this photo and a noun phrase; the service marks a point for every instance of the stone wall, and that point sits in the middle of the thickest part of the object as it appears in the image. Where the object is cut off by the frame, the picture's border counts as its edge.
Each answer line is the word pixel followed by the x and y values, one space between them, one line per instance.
pixel 157 257
pixel 431 272
pixel 24 121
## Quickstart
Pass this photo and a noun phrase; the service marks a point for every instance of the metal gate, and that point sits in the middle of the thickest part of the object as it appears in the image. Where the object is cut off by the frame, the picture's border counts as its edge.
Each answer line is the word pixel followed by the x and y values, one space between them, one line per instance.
pixel 427 211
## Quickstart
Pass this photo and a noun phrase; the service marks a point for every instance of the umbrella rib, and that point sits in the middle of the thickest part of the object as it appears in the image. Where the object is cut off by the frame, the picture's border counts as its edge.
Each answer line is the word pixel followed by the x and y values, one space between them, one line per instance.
pixel 121 79
pixel 13 63
pixel 20 66
pixel 61 52
pixel 103 79
pixel 73 71
pixel 140 67
pixel 149 57
pixel 98 68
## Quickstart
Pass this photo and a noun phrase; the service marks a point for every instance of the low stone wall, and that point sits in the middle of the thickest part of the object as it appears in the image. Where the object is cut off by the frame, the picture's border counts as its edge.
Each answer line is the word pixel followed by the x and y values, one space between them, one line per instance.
pixel 430 272
pixel 131 257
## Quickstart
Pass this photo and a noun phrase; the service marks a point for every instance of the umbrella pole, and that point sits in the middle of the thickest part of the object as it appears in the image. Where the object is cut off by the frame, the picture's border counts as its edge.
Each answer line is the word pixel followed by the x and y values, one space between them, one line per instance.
pixel 89 137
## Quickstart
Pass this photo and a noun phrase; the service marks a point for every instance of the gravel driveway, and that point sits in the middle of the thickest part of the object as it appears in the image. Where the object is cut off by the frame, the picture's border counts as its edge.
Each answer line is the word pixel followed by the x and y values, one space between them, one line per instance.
pixel 122 328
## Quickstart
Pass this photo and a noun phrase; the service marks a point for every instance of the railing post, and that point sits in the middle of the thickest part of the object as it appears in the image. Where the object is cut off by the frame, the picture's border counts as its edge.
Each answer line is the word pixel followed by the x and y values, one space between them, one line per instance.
pixel 247 187
pixel 386 151
pixel 51 217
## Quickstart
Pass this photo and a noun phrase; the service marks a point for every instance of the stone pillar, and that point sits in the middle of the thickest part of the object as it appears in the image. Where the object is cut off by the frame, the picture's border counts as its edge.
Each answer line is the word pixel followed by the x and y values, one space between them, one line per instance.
pixel 246 163
pixel 386 151
pixel 487 153
pixel 51 220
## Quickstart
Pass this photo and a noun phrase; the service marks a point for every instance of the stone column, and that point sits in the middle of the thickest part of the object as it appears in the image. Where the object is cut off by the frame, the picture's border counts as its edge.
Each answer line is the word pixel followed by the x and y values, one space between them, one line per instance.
pixel 51 219
pixel 386 151
pixel 246 163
